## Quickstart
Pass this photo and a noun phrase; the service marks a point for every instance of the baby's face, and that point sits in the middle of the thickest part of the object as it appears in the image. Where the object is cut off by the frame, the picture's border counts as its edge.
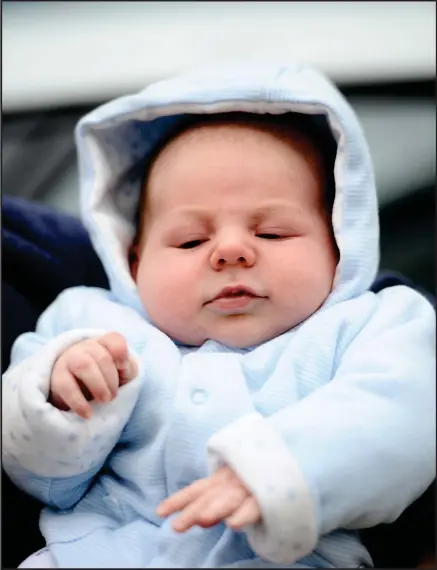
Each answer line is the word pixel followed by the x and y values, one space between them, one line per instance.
pixel 236 245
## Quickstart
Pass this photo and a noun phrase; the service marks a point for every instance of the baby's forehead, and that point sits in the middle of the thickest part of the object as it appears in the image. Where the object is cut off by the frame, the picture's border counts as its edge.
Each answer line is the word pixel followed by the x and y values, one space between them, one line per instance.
pixel 228 128
pixel 201 134
pixel 234 128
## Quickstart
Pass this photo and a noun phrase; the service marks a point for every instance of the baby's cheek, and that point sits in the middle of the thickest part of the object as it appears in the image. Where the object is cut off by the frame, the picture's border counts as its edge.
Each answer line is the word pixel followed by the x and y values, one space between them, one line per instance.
pixel 168 294
pixel 302 284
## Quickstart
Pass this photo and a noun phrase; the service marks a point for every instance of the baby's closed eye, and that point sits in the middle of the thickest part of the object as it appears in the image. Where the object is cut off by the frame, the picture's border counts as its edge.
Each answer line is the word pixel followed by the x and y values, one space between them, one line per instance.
pixel 191 244
pixel 275 233
pixel 268 236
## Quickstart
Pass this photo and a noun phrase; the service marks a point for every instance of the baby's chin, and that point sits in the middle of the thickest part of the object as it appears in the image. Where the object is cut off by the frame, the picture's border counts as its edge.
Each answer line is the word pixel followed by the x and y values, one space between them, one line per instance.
pixel 236 335
pixel 244 341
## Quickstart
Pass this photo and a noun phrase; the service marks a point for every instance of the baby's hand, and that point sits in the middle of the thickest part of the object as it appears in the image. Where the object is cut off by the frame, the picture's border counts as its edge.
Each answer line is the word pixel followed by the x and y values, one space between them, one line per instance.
pixel 209 501
pixel 91 369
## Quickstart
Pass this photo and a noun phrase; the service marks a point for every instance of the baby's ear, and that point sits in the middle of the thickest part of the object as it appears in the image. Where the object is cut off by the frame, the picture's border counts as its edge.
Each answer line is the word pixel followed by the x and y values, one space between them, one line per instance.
pixel 133 260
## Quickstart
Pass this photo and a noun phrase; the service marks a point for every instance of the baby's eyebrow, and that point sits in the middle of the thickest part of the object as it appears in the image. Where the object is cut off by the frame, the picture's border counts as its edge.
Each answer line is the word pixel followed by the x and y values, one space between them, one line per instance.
pixel 186 216
pixel 260 213
pixel 282 208
pixel 200 214
pixel 197 213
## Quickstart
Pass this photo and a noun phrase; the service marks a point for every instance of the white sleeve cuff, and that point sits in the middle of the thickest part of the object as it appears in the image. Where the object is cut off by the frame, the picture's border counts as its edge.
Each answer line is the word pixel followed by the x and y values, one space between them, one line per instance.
pixel 261 459
pixel 49 442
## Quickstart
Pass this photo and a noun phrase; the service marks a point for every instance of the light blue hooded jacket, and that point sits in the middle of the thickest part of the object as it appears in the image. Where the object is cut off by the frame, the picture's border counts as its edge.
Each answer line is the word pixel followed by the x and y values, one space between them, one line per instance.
pixel 331 425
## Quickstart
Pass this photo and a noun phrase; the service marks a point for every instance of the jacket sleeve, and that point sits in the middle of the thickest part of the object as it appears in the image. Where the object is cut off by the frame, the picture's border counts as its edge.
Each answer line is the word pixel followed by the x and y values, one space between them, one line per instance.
pixel 355 452
pixel 51 454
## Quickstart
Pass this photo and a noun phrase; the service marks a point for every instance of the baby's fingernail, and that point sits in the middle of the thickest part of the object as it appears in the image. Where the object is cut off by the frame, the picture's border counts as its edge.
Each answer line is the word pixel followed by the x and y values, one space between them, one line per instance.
pixel 105 398
pixel 179 526
pixel 127 369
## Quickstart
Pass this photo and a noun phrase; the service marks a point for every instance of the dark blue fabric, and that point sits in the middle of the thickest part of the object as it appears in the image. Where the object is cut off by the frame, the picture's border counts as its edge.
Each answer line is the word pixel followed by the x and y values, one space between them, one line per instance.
pixel 44 252
pixel 390 278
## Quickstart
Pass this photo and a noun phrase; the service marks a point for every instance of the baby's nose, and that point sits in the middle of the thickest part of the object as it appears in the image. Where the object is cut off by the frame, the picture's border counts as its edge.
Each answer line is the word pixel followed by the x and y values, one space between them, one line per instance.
pixel 232 252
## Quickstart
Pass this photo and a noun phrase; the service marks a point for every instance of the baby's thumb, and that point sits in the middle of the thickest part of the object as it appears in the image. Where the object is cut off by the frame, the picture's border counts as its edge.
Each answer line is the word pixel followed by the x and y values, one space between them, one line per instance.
pixel 127 370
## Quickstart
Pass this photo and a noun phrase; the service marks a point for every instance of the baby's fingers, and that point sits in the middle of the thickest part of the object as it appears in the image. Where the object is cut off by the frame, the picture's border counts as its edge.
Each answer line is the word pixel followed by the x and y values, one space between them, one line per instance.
pixel 84 367
pixel 127 371
pixel 68 394
pixel 211 507
pixel 181 499
pixel 117 347
pixel 247 513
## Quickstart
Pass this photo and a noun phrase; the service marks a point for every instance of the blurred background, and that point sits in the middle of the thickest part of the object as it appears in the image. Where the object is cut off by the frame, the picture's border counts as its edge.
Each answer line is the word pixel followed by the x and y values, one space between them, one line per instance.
pixel 61 59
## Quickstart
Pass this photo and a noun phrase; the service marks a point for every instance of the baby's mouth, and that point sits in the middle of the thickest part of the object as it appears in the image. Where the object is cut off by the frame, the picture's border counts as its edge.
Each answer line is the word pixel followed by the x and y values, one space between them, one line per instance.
pixel 235 292
pixel 234 300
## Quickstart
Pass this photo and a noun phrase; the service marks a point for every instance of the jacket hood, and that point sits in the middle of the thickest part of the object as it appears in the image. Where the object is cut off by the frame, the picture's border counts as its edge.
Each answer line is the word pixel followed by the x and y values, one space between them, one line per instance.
pixel 114 141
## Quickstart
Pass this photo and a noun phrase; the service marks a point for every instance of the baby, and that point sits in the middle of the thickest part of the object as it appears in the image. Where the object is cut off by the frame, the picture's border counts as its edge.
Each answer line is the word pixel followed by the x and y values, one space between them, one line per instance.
pixel 239 398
